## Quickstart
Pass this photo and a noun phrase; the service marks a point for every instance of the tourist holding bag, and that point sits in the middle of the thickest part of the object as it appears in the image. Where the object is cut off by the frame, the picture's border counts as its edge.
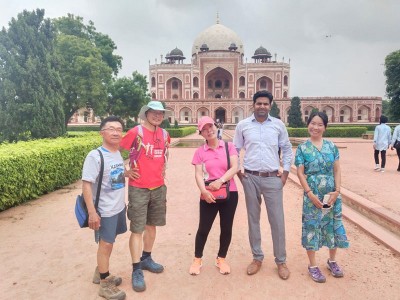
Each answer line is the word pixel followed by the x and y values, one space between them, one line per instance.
pixel 216 162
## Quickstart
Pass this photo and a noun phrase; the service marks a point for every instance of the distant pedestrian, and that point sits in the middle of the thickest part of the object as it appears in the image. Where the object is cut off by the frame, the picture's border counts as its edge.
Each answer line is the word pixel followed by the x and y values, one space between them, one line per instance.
pixel 318 169
pixel 382 136
pixel 395 144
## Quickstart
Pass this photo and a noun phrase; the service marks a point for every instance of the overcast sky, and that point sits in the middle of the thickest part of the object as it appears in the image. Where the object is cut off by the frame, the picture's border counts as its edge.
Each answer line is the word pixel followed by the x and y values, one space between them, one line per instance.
pixel 336 48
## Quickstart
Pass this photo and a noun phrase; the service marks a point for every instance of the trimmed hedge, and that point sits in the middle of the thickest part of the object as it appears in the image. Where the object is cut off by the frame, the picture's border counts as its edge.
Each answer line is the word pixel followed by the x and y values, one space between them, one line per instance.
pixel 83 127
pixel 30 169
pixel 180 132
pixel 330 132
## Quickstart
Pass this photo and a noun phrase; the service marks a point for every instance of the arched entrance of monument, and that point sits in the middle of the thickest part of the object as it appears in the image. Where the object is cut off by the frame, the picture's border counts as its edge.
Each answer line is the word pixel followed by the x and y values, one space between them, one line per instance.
pixel 220 114
pixel 220 83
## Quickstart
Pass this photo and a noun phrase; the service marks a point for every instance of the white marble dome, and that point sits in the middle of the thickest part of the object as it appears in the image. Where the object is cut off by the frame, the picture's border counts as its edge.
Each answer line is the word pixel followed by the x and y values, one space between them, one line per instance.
pixel 217 37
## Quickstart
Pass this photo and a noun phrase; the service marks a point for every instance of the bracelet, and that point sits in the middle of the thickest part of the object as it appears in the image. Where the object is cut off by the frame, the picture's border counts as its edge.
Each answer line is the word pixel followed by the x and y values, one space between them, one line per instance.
pixel 307 192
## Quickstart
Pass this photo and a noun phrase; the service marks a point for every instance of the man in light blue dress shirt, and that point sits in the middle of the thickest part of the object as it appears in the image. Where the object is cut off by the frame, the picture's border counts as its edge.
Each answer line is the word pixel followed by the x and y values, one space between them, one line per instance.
pixel 261 136
pixel 382 136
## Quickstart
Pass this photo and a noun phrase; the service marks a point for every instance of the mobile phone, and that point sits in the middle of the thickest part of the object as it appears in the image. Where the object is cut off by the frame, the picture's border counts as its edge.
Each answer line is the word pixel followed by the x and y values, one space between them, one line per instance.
pixel 325 201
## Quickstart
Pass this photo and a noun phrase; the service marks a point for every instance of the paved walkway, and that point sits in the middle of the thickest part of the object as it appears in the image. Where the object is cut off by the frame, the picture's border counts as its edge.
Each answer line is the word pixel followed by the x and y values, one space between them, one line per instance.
pixel 45 254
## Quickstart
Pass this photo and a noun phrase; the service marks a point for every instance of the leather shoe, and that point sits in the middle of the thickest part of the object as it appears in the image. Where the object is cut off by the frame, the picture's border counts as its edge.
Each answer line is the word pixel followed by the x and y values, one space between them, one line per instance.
pixel 254 267
pixel 283 271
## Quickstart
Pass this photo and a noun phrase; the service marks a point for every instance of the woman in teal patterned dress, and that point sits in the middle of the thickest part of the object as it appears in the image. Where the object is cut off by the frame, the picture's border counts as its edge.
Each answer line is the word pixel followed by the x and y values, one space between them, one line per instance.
pixel 318 169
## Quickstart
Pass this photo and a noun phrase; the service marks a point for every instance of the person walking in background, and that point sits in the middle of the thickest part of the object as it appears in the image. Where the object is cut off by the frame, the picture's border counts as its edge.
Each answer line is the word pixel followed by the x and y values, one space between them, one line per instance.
pixel 211 165
pixel 382 136
pixel 110 218
pixel 318 169
pixel 148 145
pixel 261 136
pixel 395 144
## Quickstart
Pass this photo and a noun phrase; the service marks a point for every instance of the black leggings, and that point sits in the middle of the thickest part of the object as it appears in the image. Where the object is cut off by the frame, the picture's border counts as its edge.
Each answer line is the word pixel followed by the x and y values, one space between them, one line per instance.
pixel 383 157
pixel 208 212
pixel 398 155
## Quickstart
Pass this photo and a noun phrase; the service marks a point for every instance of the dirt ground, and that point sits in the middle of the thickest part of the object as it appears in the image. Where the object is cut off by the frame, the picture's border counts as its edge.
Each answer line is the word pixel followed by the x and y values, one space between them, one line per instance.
pixel 44 254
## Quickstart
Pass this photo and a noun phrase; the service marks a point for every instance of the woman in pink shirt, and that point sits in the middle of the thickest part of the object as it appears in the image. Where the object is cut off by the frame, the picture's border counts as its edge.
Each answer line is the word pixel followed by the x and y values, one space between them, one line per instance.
pixel 211 164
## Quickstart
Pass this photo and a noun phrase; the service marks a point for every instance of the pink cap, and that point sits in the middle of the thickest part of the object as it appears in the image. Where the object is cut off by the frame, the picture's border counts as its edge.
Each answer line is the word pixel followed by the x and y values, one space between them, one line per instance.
pixel 203 121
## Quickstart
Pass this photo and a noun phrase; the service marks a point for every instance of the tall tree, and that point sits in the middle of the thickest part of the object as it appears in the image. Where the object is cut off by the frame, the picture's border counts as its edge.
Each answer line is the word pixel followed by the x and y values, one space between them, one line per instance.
pixel 275 110
pixel 87 65
pixel 392 72
pixel 127 95
pixel 30 85
pixel 295 117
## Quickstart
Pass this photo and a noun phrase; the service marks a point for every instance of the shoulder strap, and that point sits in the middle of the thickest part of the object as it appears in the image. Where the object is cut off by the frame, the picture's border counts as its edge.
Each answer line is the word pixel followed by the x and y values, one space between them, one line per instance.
pixel 227 155
pixel 96 204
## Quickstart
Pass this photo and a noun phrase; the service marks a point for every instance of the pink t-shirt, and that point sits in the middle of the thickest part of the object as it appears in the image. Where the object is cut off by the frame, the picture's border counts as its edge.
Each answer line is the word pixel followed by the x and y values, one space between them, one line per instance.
pixel 151 161
pixel 214 161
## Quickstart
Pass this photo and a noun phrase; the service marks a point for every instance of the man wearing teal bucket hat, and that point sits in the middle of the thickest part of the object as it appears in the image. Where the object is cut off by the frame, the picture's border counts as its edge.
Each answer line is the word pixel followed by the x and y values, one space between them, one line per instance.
pixel 148 146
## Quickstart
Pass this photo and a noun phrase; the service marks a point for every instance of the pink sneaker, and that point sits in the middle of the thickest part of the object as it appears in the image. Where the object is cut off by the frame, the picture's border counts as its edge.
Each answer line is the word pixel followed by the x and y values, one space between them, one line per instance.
pixel 223 266
pixel 196 266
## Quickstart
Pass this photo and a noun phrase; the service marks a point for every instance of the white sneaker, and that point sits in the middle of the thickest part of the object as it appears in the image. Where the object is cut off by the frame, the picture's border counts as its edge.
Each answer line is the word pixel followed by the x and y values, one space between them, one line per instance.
pixel 377 168
pixel 382 170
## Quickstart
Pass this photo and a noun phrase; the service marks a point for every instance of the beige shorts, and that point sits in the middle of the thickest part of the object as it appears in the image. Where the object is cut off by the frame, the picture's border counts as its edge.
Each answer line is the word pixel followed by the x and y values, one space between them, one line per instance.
pixel 146 207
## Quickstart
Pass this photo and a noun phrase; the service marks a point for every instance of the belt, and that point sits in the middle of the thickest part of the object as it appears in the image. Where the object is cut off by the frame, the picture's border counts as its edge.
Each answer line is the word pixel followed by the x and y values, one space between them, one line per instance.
pixel 262 174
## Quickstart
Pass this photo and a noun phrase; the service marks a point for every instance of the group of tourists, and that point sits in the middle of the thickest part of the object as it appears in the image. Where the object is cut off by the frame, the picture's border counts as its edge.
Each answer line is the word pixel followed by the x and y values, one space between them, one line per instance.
pixel 263 175
pixel 383 140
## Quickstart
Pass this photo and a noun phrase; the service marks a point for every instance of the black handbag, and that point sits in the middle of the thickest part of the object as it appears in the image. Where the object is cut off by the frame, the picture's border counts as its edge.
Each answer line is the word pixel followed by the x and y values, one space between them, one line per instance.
pixel 81 211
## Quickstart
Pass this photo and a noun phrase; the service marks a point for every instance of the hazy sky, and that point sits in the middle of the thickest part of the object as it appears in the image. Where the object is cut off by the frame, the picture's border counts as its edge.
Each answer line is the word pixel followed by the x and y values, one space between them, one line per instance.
pixel 336 48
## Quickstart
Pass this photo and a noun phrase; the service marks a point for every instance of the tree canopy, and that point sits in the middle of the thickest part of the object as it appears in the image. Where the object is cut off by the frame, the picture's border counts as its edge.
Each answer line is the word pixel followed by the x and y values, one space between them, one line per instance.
pixel 275 110
pixel 392 72
pixel 127 95
pixel 30 86
pixel 87 64
pixel 295 117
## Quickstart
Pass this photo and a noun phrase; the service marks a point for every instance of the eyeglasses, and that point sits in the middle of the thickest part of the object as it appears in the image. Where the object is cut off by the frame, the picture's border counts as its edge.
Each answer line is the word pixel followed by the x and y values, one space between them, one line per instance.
pixel 112 130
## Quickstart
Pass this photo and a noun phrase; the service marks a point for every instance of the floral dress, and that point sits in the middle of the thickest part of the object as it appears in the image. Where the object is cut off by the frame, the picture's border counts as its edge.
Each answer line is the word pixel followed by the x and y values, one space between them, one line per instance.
pixel 320 227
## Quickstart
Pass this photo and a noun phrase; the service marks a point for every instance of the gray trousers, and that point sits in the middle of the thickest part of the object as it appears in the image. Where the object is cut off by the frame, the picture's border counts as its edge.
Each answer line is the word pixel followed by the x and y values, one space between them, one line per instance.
pixel 271 190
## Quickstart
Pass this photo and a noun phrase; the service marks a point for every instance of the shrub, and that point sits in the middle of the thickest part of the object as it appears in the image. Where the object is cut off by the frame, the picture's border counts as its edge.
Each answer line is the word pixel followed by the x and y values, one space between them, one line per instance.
pixel 181 132
pixel 30 169
pixel 330 132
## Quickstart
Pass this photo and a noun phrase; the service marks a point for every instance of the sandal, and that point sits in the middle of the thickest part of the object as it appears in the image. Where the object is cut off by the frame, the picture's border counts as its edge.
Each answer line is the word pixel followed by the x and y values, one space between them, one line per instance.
pixel 223 266
pixel 196 266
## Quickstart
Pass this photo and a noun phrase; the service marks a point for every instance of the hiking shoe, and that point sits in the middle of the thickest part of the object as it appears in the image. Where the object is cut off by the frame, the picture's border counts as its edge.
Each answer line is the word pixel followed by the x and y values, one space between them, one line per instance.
pixel 108 290
pixel 336 271
pixel 138 283
pixel 196 266
pixel 96 278
pixel 316 274
pixel 223 266
pixel 150 265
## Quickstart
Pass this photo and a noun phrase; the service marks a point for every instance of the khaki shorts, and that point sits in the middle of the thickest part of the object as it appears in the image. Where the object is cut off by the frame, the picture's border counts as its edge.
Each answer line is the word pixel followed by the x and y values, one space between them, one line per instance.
pixel 146 207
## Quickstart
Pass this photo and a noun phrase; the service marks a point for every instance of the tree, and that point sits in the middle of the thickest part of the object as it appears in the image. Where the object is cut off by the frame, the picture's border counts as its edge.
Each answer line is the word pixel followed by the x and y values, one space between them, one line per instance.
pixel 392 72
pixel 127 95
pixel 275 110
pixel 295 116
pixel 386 109
pixel 87 65
pixel 30 85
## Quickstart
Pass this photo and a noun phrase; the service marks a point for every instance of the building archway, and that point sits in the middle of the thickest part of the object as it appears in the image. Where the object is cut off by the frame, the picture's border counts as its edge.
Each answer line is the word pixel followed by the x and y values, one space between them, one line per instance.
pixel 330 112
pixel 237 115
pixel 185 115
pixel 201 112
pixel 219 83
pixel 264 83
pixel 345 114
pixel 220 114
pixel 174 88
pixel 363 114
